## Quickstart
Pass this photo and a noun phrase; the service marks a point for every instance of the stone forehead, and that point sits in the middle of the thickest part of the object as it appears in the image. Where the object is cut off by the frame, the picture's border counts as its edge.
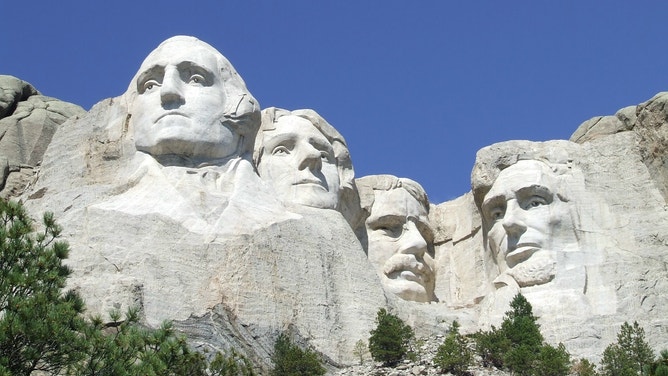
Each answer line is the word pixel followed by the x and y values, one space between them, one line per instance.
pixel 522 174
pixel 493 159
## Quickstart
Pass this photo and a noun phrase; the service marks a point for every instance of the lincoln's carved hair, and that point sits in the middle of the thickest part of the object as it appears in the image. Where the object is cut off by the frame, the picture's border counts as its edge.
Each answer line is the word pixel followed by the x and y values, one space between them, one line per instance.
pixel 343 162
pixel 489 164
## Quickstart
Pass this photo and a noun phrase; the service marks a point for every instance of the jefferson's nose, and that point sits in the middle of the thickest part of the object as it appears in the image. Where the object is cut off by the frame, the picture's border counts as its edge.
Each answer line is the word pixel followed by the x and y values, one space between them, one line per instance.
pixel 412 241
pixel 309 157
pixel 513 219
pixel 171 91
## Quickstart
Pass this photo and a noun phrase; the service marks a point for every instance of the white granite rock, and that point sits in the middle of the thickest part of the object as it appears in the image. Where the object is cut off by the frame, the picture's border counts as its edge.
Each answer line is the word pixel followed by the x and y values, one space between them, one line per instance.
pixel 161 217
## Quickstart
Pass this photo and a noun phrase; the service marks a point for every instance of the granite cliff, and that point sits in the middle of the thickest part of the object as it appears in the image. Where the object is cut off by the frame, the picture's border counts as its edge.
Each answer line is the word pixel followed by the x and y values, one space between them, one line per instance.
pixel 198 228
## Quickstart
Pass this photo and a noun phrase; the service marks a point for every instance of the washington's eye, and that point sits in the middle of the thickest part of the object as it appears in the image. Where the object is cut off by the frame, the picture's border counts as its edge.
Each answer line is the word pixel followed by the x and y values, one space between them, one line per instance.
pixel 197 79
pixel 280 150
pixel 324 155
pixel 150 84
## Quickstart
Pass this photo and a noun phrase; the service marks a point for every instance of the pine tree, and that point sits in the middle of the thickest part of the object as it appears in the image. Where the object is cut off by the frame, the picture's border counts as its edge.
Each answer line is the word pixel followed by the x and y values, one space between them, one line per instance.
pixel 42 327
pixel 39 325
pixel 360 350
pixel 521 328
pixel 390 340
pixel 629 355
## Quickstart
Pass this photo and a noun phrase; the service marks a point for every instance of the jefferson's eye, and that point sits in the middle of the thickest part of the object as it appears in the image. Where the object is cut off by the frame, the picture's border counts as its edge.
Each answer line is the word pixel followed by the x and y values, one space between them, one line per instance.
pixel 324 155
pixel 280 150
pixel 496 214
pixel 197 79
pixel 150 84
pixel 534 202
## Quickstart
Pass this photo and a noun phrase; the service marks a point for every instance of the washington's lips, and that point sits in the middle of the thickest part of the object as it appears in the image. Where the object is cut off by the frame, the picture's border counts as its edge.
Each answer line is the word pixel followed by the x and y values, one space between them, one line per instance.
pixel 169 113
pixel 310 181
pixel 521 252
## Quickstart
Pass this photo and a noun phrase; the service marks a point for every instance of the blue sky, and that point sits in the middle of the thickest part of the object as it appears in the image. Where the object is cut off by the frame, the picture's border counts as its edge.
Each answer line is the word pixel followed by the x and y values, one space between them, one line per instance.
pixel 415 87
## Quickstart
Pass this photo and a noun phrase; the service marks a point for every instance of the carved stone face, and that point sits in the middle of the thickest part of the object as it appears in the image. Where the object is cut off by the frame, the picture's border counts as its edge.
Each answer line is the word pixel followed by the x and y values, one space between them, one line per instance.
pixel 298 161
pixel 399 234
pixel 524 216
pixel 180 101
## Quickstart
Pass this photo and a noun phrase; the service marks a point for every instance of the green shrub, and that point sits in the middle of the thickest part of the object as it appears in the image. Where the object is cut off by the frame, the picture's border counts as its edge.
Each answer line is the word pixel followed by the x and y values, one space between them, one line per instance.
pixel 491 346
pixel 584 367
pixel 552 361
pixel 454 355
pixel 390 340
pixel 659 367
pixel 290 360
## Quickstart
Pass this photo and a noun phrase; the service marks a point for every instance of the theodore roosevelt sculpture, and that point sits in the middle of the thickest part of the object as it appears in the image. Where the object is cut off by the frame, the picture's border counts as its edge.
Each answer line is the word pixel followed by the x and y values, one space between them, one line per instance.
pixel 399 236
pixel 303 158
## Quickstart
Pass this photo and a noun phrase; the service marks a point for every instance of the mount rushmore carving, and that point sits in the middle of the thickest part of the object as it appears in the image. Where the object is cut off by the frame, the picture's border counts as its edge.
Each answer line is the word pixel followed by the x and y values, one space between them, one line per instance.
pixel 181 197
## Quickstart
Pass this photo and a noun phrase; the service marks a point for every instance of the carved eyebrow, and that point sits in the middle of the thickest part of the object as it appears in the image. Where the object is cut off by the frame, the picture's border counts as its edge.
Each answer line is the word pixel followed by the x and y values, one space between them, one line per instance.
pixel 153 72
pixel 278 138
pixel 192 67
pixel 321 144
pixel 535 190
pixel 386 219
pixel 492 202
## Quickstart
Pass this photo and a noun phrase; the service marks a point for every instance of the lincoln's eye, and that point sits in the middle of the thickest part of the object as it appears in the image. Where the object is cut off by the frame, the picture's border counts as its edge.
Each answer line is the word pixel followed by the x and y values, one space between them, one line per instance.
pixel 280 150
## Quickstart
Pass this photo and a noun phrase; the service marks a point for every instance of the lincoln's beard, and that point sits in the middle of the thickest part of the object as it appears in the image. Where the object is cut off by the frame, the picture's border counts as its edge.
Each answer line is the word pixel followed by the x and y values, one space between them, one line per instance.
pixel 538 269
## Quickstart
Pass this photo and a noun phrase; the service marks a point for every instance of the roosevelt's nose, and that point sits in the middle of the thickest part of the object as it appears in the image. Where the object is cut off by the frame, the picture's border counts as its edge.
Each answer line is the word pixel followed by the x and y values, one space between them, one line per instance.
pixel 412 241
pixel 513 219
pixel 171 91
pixel 309 157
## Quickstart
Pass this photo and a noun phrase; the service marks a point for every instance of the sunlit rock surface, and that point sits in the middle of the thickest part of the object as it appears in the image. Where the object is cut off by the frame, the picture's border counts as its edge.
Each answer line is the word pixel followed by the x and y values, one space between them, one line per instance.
pixel 163 215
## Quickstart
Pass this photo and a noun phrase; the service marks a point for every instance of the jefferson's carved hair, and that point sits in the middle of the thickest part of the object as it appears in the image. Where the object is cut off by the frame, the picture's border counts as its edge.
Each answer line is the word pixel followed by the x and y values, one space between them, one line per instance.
pixel 341 154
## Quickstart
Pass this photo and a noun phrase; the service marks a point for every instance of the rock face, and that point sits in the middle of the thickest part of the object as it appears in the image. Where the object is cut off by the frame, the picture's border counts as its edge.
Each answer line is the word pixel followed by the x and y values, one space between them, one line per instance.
pixel 28 120
pixel 160 198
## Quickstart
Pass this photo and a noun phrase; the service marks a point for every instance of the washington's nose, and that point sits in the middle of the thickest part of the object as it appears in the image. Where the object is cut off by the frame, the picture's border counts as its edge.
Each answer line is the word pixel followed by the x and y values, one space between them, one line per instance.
pixel 412 241
pixel 513 219
pixel 309 157
pixel 171 91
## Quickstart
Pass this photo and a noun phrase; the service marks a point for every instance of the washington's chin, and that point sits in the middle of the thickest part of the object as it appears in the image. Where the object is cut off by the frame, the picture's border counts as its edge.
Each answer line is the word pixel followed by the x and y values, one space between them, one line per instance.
pixel 175 141
pixel 408 289
pixel 312 195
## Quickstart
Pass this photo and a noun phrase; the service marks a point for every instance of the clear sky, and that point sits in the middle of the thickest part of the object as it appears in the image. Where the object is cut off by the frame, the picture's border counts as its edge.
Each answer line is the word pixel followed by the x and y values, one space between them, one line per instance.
pixel 415 87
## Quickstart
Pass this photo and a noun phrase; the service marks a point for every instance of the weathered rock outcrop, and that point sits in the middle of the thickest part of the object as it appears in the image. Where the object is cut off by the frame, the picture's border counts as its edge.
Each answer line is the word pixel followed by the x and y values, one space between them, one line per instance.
pixel 28 120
